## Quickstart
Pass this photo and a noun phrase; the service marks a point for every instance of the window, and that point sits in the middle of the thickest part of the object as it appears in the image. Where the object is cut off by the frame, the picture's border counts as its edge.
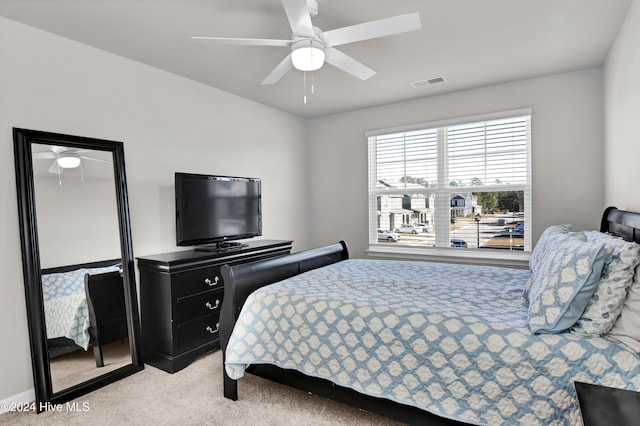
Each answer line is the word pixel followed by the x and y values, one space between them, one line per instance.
pixel 462 184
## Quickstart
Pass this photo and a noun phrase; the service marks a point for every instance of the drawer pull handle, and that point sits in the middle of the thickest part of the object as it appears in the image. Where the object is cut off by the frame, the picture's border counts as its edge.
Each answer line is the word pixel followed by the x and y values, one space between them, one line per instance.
pixel 211 283
pixel 211 330
pixel 212 307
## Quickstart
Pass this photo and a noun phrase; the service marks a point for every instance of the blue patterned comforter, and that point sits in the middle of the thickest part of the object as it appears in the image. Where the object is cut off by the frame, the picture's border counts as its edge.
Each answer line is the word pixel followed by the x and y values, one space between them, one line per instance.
pixel 449 339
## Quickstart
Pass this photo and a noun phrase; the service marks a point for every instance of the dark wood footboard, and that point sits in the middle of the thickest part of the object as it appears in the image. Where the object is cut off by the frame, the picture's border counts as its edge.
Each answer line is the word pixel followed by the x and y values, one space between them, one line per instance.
pixel 242 280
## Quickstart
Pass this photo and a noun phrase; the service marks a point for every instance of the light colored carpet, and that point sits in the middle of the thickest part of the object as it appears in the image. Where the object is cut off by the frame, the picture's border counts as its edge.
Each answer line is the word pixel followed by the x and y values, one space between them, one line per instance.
pixel 193 396
pixel 79 366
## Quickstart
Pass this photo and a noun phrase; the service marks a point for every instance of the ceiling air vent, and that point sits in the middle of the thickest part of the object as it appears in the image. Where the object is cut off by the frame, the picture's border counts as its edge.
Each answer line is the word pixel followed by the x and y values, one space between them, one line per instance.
pixel 427 82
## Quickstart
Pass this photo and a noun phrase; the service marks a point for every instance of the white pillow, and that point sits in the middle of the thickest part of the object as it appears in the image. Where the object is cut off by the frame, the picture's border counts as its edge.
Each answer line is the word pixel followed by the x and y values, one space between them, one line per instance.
pixel 627 328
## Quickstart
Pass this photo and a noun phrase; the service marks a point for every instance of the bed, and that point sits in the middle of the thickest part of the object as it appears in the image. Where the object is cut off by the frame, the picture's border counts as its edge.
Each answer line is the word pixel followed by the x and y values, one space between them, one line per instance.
pixel 66 306
pixel 415 342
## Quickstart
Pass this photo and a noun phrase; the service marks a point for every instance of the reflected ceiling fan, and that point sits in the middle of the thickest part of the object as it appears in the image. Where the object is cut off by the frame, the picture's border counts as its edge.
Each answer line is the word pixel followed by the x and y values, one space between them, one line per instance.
pixel 65 158
pixel 311 47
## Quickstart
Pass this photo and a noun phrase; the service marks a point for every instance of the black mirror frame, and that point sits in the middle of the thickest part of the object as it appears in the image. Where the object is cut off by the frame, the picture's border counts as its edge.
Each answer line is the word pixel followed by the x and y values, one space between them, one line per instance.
pixel 23 138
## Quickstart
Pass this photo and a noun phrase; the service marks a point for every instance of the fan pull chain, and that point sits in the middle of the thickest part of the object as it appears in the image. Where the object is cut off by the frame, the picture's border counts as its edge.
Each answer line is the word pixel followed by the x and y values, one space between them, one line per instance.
pixel 304 84
pixel 81 173
pixel 58 168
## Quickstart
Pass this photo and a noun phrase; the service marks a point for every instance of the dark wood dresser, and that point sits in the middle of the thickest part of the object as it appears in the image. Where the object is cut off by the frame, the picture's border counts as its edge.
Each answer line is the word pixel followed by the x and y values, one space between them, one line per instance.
pixel 180 299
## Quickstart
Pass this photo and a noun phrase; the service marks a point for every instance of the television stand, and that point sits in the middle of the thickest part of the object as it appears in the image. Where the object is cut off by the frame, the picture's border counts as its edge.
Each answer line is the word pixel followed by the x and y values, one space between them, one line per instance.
pixel 180 298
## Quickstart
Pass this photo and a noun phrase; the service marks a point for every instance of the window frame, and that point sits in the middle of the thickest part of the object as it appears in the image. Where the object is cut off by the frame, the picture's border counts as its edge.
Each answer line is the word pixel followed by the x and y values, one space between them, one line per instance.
pixel 443 192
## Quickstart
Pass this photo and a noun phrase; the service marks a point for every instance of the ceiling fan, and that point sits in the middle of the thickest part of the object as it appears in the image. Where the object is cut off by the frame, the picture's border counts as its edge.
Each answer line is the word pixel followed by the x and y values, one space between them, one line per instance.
pixel 311 47
pixel 64 158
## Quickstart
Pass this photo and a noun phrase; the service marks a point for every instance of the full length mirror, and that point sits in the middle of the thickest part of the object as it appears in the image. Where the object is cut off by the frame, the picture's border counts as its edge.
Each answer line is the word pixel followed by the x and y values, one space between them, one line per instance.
pixel 78 263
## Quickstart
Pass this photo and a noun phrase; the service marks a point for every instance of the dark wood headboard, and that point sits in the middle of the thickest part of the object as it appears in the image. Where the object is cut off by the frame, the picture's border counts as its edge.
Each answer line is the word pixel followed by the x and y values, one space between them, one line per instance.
pixel 621 223
pixel 68 268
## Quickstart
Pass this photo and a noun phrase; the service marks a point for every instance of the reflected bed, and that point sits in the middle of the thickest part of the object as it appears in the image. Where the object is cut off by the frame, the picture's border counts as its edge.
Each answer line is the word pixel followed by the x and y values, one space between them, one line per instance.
pixel 65 304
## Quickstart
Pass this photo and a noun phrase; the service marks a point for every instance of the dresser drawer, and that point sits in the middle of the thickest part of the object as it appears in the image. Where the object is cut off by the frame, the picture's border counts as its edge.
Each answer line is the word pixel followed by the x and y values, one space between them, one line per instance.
pixel 198 331
pixel 197 281
pixel 198 305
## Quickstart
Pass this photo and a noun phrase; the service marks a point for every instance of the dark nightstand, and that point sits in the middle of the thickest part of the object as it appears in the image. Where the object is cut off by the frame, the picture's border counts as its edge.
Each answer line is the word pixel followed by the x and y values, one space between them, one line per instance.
pixel 601 405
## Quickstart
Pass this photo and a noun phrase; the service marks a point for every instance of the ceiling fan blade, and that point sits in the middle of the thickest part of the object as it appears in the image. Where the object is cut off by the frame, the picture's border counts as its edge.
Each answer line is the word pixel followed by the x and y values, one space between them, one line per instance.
pixel 54 168
pixel 347 64
pixel 279 71
pixel 243 41
pixel 84 157
pixel 374 29
pixel 43 155
pixel 299 17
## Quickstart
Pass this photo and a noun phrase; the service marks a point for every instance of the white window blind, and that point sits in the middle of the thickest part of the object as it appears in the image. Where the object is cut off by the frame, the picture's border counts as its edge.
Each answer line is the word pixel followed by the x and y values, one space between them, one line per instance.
pixel 412 154
pixel 479 166
pixel 491 152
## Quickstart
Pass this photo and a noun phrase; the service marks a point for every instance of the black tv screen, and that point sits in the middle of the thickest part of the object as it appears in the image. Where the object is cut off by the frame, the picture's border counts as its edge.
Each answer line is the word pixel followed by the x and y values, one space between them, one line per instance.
pixel 214 209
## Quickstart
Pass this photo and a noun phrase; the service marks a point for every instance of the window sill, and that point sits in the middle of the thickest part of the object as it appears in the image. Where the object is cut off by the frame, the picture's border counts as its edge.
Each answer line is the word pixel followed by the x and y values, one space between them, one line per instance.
pixel 487 257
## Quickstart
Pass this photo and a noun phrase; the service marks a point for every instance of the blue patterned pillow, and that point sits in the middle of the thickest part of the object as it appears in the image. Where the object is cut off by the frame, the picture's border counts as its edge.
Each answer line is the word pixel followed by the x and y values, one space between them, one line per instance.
pixel 542 246
pixel 546 244
pixel 563 282
pixel 617 275
pixel 102 269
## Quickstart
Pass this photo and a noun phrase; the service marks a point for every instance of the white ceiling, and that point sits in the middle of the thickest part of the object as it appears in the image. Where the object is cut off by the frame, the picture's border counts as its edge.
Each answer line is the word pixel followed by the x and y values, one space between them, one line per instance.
pixel 472 43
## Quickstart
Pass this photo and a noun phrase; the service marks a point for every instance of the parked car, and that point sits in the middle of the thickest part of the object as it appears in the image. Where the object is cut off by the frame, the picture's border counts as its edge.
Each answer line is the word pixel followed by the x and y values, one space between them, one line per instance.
pixel 453 219
pixel 425 226
pixel 386 235
pixel 458 243
pixel 517 230
pixel 409 229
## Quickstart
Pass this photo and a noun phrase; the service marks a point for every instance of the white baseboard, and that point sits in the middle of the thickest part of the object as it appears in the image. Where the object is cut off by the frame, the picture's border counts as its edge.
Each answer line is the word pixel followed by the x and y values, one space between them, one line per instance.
pixel 10 403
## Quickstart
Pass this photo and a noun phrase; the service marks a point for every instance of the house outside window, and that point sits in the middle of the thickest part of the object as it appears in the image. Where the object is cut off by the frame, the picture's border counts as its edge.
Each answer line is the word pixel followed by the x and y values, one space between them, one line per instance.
pixel 456 184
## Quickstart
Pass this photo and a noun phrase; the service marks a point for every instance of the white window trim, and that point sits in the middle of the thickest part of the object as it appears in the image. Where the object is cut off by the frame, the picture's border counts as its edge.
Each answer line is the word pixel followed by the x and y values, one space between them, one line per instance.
pixel 451 122
pixel 438 254
pixel 442 254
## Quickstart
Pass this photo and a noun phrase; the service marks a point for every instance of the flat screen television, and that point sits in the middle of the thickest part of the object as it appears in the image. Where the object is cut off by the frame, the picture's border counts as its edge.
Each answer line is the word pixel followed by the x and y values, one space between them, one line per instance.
pixel 212 210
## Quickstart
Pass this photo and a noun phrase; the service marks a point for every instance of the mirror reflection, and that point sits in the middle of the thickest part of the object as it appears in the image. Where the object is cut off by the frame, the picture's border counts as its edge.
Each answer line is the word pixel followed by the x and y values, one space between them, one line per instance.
pixel 80 257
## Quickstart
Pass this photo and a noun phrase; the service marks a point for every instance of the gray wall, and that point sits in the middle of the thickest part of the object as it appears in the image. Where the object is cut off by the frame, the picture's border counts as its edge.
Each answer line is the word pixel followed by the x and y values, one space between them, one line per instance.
pixel 622 112
pixel 167 124
pixel 567 166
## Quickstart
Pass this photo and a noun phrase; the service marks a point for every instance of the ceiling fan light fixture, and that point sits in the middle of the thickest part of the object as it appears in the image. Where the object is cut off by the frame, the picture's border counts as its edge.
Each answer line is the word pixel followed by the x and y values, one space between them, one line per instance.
pixel 307 55
pixel 68 161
